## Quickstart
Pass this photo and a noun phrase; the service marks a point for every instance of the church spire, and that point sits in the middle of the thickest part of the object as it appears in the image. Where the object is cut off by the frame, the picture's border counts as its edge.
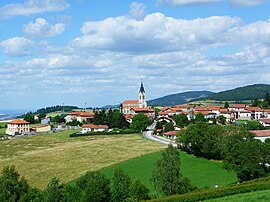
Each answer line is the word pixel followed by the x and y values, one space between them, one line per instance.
pixel 142 88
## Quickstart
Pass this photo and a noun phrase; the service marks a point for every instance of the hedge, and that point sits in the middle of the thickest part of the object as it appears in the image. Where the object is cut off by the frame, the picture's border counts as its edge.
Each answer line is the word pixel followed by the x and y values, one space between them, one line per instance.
pixel 103 133
pixel 205 194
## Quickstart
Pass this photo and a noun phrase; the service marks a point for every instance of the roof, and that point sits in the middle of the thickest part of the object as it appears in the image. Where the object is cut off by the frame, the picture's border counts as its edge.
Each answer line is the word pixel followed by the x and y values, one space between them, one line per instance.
pixel 162 113
pixel 183 106
pixel 254 109
pixel 267 121
pixel 87 114
pixel 210 108
pixel 18 121
pixel 261 133
pixel 131 102
pixel 174 132
pixel 164 117
pixel 204 112
pixel 239 106
pixel 95 126
pixel 73 113
pixel 142 88
pixel 142 109
pixel 164 108
pixel 40 126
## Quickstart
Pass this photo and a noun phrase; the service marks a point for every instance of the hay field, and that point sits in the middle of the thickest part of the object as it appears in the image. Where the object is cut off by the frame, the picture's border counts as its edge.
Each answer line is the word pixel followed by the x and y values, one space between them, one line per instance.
pixel 40 158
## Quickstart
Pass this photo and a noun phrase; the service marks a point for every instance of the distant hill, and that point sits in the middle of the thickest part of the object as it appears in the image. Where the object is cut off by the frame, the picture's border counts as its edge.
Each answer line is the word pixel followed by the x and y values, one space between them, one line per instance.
pixel 249 92
pixel 179 98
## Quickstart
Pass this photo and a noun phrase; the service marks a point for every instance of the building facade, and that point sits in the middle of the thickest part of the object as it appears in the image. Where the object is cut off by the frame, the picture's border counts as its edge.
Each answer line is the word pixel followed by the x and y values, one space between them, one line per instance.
pixel 17 127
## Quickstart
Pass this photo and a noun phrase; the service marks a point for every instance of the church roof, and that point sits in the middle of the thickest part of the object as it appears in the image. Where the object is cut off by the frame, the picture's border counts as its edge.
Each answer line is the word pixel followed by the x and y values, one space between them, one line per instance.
pixel 142 88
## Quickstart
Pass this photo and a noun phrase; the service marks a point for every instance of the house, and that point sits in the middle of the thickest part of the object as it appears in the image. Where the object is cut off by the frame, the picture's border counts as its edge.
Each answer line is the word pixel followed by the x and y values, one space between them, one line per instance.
pixel 17 127
pixel 244 115
pixel 36 117
pixel 127 105
pixel 147 111
pixel 94 128
pixel 79 116
pixel 171 134
pixel 265 122
pixel 261 134
pixel 238 107
pixel 42 128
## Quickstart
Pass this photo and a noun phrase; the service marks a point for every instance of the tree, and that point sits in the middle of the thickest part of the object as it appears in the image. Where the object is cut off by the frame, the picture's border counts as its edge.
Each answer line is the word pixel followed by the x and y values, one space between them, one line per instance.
pixel 120 186
pixel 200 118
pixel 255 103
pixel 253 125
pixel 95 187
pixel 221 119
pixel 138 191
pixel 181 120
pixel 168 127
pixel 29 117
pixel 54 191
pixel 140 122
pixel 246 159
pixel 267 98
pixel 226 105
pixel 12 187
pixel 167 178
pixel 41 116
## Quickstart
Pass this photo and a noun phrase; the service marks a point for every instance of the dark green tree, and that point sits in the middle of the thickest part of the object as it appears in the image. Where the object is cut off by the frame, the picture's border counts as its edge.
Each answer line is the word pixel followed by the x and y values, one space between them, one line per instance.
pixel 95 186
pixel 29 117
pixel 120 186
pixel 246 159
pixel 138 191
pixel 12 187
pixel 54 191
pixel 41 116
pixel 255 102
pixel 167 178
pixel 168 127
pixel 267 98
pixel 221 119
pixel 181 120
pixel 226 105
pixel 140 122
pixel 253 125
pixel 200 118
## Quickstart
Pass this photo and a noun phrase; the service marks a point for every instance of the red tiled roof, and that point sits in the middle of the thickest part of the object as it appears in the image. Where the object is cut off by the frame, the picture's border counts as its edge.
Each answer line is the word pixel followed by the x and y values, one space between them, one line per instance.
pixel 266 110
pixel 183 106
pixel 245 111
pixel 267 121
pixel 239 106
pixel 131 102
pixel 164 108
pixel 261 133
pixel 164 117
pixel 204 112
pixel 95 126
pixel 210 108
pixel 142 109
pixel 162 113
pixel 174 132
pixel 254 109
pixel 74 113
pixel 18 121
pixel 40 126
pixel 87 114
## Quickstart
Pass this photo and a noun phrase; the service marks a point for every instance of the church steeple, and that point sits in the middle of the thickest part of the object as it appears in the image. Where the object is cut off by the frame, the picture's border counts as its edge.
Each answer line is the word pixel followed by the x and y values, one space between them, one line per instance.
pixel 142 97
pixel 142 88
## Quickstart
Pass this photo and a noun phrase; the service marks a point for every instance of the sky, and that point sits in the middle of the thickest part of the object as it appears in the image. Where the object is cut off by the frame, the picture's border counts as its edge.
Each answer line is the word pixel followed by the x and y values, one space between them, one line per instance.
pixel 96 52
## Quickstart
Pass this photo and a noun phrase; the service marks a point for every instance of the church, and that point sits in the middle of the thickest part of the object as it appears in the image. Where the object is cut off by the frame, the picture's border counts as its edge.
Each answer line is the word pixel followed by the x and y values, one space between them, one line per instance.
pixel 133 107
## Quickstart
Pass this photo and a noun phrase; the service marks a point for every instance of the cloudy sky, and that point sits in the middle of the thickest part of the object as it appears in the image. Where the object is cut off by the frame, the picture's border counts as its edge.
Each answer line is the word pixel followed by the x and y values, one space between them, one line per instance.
pixel 97 51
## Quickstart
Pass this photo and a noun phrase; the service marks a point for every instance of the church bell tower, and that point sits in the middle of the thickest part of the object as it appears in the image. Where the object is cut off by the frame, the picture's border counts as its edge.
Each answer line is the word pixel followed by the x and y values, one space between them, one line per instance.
pixel 142 97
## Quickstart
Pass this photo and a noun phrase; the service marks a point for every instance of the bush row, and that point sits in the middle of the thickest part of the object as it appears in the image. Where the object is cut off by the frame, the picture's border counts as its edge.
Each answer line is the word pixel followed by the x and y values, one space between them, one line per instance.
pixel 104 133
pixel 206 194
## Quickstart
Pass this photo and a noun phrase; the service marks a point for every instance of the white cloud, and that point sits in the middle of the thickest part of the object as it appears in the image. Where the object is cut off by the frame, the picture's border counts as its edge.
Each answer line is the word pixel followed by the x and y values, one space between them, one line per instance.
pixel 41 28
pixel 137 10
pixel 187 2
pixel 17 46
pixel 155 32
pixel 247 3
pixel 30 7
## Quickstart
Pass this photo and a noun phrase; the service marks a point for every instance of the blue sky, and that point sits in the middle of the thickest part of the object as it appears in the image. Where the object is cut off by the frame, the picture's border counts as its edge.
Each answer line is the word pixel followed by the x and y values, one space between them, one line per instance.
pixel 97 51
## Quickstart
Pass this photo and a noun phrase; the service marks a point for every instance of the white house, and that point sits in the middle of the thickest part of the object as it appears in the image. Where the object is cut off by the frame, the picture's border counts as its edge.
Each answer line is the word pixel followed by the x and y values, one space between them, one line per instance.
pixel 94 128
pixel 18 126
pixel 79 116
pixel 261 134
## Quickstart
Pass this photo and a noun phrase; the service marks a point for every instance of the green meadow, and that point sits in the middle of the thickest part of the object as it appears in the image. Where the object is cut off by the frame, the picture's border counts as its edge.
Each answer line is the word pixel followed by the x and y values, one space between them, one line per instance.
pixel 202 173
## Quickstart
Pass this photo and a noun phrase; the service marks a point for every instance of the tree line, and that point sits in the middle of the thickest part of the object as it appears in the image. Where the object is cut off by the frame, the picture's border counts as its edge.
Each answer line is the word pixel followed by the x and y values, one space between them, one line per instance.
pixel 236 146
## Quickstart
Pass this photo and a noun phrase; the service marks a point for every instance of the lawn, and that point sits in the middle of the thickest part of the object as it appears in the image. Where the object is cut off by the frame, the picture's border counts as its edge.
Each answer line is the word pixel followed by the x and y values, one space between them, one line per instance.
pixel 201 172
pixel 263 196
pixel 39 158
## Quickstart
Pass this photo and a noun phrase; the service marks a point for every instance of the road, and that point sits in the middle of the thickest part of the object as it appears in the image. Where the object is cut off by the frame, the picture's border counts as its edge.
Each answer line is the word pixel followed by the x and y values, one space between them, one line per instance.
pixel 149 134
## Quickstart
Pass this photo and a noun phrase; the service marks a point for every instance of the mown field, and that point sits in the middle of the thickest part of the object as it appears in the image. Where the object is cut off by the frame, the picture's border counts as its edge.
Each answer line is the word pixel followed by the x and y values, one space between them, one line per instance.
pixel 40 158
pixel 262 196
pixel 201 172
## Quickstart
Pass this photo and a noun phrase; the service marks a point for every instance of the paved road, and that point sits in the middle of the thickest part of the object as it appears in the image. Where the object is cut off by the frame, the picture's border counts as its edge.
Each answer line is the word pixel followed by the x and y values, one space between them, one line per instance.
pixel 149 134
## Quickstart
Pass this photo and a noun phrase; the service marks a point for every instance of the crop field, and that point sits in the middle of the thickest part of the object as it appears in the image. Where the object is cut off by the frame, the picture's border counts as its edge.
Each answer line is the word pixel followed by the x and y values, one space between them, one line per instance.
pixel 262 196
pixel 40 158
pixel 202 173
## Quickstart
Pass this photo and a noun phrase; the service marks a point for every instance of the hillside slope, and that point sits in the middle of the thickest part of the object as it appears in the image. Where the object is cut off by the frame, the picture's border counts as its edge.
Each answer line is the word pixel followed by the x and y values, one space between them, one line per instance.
pixel 242 93
pixel 179 98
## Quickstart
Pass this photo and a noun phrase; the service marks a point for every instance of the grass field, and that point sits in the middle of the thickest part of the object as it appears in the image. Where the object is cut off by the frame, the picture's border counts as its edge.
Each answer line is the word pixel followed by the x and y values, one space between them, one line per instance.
pixel 201 172
pixel 40 158
pixel 262 196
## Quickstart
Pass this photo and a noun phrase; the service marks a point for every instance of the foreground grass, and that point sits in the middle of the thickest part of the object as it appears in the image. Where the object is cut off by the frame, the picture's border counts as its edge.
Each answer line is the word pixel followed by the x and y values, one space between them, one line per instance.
pixel 263 196
pixel 40 158
pixel 202 173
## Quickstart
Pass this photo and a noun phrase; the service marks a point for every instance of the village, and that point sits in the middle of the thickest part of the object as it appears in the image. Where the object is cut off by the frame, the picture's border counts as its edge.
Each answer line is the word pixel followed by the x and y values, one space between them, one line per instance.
pixel 234 114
